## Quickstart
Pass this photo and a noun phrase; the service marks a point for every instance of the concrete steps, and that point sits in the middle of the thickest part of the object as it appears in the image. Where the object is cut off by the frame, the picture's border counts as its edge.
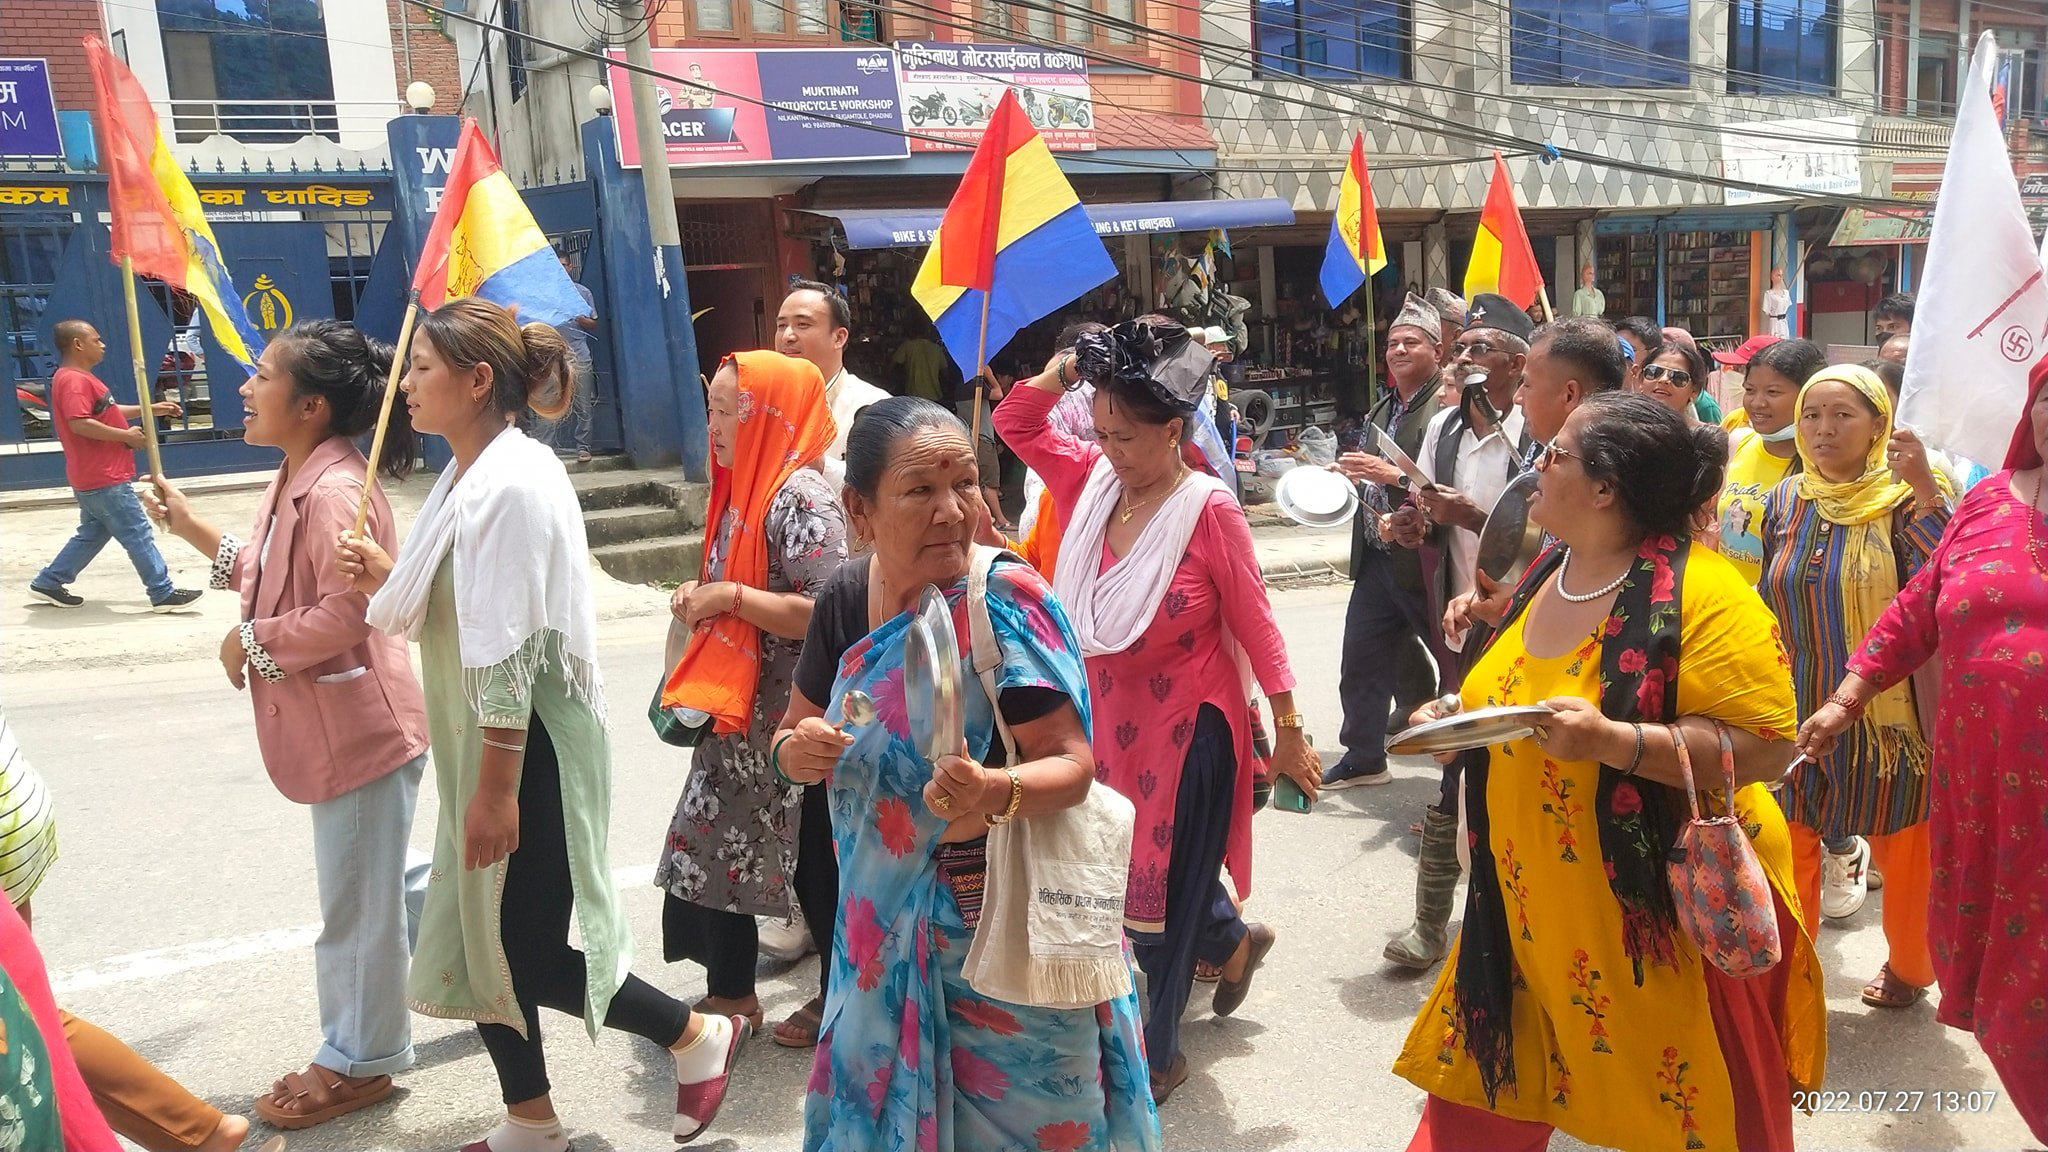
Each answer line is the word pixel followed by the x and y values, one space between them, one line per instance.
pixel 644 526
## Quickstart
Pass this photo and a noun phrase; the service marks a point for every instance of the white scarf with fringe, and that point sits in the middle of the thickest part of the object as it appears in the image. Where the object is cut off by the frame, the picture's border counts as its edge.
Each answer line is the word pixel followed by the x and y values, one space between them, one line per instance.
pixel 522 570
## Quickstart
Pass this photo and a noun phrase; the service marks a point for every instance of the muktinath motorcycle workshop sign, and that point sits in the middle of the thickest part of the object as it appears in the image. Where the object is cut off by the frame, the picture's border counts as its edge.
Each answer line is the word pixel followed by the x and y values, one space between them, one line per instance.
pixel 767 106
pixel 950 91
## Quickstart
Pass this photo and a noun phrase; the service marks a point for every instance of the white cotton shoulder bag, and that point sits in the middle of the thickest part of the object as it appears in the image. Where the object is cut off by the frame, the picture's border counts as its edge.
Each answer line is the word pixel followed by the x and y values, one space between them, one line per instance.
pixel 1052 908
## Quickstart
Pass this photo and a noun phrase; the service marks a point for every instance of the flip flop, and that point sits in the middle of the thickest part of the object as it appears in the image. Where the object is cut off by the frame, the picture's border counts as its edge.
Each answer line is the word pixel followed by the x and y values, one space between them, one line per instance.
pixel 1888 991
pixel 713 1006
pixel 801 1029
pixel 317 1095
pixel 697 1104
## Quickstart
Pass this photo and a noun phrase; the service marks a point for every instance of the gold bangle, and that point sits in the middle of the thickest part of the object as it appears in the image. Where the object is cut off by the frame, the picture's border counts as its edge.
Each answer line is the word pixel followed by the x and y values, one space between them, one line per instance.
pixel 1016 799
pixel 1290 720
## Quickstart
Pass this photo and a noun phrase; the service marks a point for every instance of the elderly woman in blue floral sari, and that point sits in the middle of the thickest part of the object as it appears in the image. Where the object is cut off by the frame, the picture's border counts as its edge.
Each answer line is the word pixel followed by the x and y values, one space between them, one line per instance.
pixel 910 1056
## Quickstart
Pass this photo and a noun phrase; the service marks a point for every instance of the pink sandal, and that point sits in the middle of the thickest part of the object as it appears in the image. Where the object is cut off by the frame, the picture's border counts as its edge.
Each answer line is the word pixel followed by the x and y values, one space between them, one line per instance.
pixel 697 1104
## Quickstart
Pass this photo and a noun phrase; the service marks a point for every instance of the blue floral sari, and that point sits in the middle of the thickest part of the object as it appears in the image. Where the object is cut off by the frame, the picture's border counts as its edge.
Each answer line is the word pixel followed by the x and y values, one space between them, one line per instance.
pixel 909 1058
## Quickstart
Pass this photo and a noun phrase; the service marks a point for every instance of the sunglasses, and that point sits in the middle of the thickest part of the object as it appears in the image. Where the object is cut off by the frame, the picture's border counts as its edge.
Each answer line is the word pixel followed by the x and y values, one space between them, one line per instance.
pixel 1678 376
pixel 1548 452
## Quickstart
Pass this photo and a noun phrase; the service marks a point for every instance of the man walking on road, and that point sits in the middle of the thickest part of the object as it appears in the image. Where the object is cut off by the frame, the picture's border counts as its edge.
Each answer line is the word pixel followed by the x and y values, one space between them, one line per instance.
pixel 99 464
pixel 1389 613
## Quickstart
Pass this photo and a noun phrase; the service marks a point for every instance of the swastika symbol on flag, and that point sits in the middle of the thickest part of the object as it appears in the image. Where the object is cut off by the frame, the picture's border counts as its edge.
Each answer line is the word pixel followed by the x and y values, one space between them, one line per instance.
pixel 2017 344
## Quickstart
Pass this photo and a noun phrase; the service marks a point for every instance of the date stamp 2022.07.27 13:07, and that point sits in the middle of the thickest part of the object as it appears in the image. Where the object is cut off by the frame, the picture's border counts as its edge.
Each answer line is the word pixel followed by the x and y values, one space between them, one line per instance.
pixel 1901 1100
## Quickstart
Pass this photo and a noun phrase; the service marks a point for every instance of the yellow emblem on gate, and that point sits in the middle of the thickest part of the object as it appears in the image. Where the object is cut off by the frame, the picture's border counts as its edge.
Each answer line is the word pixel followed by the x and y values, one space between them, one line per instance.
pixel 267 306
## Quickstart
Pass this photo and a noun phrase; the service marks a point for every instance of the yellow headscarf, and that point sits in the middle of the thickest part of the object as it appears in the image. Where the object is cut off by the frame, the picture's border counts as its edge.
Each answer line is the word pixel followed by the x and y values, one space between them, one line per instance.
pixel 1863 511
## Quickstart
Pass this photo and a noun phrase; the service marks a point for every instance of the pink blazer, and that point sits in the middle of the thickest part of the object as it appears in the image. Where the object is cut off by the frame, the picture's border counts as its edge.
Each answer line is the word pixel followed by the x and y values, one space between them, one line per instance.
pixel 325 728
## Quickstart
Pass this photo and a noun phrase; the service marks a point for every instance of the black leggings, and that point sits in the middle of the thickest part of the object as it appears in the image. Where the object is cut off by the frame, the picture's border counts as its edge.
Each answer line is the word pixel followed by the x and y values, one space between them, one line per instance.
pixel 534 927
pixel 728 944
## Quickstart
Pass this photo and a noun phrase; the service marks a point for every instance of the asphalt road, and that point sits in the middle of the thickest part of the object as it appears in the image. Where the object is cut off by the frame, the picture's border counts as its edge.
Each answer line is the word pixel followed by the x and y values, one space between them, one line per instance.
pixel 182 913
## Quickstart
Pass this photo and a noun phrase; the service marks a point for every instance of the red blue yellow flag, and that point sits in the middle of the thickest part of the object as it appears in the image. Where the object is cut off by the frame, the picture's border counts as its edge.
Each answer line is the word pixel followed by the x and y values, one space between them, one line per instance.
pixel 1502 260
pixel 1356 250
pixel 157 221
pixel 1014 240
pixel 484 243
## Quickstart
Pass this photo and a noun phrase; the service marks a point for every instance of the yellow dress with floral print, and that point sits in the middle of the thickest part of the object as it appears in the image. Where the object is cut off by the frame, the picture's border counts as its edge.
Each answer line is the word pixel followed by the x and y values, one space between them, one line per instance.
pixel 1596 1056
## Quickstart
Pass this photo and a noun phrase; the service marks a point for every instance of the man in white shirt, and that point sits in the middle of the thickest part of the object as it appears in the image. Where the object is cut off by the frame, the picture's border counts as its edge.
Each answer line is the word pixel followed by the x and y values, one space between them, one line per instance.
pixel 814 323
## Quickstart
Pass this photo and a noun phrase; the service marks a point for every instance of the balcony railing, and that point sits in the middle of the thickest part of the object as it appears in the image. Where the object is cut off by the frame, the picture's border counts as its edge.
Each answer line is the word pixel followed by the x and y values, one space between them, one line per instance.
pixel 276 121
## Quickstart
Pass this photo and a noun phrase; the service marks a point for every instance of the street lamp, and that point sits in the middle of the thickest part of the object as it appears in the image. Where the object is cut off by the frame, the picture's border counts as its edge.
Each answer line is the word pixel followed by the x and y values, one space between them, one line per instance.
pixel 419 96
pixel 601 99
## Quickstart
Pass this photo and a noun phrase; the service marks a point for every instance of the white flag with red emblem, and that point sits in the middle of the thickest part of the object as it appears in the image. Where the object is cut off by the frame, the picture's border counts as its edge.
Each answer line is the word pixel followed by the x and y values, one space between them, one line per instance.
pixel 1981 319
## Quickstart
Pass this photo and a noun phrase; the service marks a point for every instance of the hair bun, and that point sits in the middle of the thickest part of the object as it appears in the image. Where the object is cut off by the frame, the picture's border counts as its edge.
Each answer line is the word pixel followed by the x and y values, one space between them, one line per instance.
pixel 550 381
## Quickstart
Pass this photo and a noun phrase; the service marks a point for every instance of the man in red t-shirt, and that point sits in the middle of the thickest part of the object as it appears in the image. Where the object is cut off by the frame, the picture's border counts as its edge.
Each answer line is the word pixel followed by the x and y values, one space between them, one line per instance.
pixel 99 463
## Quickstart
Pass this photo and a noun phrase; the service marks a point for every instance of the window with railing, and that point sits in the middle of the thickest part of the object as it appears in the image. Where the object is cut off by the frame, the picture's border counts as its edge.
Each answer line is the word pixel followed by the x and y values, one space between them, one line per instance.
pixel 1354 40
pixel 814 21
pixel 1601 43
pixel 1783 47
pixel 1111 24
pixel 257 72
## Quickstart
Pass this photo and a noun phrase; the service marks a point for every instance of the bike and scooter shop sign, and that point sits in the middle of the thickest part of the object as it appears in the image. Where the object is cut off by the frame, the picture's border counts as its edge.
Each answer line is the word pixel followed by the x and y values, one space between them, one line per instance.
pixel 950 91
pixel 766 106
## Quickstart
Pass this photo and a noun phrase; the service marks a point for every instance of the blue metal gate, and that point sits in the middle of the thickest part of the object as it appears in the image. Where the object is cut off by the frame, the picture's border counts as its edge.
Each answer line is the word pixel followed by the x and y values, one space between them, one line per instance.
pixel 568 214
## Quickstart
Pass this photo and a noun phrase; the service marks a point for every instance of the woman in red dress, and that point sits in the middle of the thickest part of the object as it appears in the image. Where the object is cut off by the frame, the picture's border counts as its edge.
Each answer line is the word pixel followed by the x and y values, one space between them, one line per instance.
pixel 1982 600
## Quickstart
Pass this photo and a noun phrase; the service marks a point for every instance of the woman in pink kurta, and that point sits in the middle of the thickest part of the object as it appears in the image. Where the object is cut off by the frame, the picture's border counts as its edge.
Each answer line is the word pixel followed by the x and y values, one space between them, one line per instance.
pixel 1982 601
pixel 1158 572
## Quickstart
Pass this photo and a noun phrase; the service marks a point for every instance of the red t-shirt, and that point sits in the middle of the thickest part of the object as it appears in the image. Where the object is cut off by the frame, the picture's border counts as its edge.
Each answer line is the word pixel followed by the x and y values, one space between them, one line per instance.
pixel 88 464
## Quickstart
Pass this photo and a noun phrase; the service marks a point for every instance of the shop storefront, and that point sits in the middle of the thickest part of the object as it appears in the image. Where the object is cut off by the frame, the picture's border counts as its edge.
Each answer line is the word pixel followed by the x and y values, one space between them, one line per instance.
pixel 1703 272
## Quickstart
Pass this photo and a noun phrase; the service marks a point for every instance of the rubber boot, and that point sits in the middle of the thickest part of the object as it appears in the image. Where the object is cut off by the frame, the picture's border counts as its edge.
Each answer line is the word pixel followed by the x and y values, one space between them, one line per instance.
pixel 1436 882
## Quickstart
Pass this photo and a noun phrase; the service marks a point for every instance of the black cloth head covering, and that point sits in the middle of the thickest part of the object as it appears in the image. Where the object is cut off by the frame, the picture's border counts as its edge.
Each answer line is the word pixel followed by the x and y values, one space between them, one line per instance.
pixel 1158 354
pixel 1490 310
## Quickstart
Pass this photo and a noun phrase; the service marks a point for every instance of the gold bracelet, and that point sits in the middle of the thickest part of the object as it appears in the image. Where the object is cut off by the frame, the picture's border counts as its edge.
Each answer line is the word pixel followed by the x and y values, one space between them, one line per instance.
pixel 1016 799
pixel 1290 720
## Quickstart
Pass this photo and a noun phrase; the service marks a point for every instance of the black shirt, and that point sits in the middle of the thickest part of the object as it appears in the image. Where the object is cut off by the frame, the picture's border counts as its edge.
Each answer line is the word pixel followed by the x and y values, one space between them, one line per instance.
pixel 839 620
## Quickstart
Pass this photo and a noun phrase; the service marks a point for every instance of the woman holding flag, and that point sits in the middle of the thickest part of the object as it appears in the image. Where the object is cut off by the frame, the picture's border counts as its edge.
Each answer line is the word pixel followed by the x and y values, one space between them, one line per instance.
pixel 494 583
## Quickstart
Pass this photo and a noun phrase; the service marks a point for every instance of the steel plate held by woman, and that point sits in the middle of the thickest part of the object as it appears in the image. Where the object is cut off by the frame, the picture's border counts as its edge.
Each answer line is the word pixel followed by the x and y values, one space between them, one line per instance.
pixel 1480 728
pixel 1510 540
pixel 931 678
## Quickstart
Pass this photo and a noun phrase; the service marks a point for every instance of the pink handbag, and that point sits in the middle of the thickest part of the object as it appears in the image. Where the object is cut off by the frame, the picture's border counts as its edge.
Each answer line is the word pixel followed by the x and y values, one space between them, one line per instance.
pixel 1718 886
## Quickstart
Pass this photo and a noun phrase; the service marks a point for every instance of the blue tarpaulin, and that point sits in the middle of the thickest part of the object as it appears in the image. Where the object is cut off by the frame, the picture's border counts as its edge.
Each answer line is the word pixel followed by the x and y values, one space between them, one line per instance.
pixel 914 227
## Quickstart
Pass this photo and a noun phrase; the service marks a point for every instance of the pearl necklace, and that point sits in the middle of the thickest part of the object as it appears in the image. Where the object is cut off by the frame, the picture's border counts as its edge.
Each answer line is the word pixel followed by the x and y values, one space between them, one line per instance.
pixel 1588 598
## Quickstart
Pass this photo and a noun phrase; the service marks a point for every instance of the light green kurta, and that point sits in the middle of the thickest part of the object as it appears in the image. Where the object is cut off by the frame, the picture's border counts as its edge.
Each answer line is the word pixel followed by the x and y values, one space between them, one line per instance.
pixel 459 970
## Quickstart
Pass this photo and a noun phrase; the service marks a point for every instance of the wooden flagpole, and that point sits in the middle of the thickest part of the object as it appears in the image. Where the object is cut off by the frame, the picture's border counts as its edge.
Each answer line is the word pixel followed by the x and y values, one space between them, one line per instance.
pixel 1543 294
pixel 1372 340
pixel 398 360
pixel 143 381
pixel 980 380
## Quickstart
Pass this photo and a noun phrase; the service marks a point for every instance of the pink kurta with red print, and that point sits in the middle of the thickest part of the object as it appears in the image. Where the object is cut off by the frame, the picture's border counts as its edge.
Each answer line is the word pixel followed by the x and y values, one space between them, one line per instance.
pixel 1146 697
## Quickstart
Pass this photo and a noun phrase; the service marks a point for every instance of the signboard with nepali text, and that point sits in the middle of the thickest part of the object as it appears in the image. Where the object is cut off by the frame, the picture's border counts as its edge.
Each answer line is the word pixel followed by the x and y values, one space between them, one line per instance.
pixel 767 106
pixel 28 112
pixel 950 91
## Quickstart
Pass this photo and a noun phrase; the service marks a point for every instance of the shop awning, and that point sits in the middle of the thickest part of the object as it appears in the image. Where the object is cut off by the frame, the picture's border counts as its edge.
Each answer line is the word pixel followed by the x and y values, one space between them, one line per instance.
pixel 914 227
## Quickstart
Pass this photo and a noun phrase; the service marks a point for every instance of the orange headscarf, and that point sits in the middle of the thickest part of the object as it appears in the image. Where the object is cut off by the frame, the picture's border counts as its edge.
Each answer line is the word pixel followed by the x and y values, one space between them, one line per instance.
pixel 784 425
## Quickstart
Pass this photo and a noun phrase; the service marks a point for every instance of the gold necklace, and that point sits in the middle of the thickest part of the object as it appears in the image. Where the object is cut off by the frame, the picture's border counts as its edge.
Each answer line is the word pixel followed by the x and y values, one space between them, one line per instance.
pixel 2034 520
pixel 1130 509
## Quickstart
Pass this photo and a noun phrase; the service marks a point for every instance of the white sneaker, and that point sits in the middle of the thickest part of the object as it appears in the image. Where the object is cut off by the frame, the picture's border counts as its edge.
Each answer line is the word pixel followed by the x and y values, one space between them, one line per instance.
pixel 1844 881
pixel 789 942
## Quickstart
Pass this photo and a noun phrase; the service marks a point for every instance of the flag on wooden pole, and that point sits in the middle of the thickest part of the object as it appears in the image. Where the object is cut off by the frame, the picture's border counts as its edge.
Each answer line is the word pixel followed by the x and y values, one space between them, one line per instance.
pixel 1014 246
pixel 1982 315
pixel 157 221
pixel 1502 260
pixel 484 243
pixel 1355 251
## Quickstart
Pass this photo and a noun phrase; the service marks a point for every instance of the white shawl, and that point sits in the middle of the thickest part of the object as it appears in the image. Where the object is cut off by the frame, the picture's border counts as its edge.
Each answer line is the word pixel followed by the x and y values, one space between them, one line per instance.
pixel 522 567
pixel 1110 610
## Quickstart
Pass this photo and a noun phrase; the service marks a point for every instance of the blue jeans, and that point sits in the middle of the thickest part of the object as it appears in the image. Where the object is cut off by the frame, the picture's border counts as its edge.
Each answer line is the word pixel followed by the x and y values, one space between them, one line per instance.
pixel 371 888
pixel 110 513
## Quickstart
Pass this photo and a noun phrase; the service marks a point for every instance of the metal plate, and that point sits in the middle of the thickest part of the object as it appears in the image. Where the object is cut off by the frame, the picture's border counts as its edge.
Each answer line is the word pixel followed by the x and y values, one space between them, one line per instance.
pixel 1509 542
pixel 1316 497
pixel 931 678
pixel 1480 728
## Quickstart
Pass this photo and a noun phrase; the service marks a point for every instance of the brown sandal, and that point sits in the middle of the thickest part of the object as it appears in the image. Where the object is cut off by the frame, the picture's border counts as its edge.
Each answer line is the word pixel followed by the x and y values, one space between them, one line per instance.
pixel 317 1095
pixel 718 1006
pixel 801 1029
pixel 1888 991
pixel 1207 973
pixel 1163 1083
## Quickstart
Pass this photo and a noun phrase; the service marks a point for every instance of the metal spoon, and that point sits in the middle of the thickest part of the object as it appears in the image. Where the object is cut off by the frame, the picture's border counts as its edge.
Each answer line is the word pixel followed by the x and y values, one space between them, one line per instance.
pixel 858 708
